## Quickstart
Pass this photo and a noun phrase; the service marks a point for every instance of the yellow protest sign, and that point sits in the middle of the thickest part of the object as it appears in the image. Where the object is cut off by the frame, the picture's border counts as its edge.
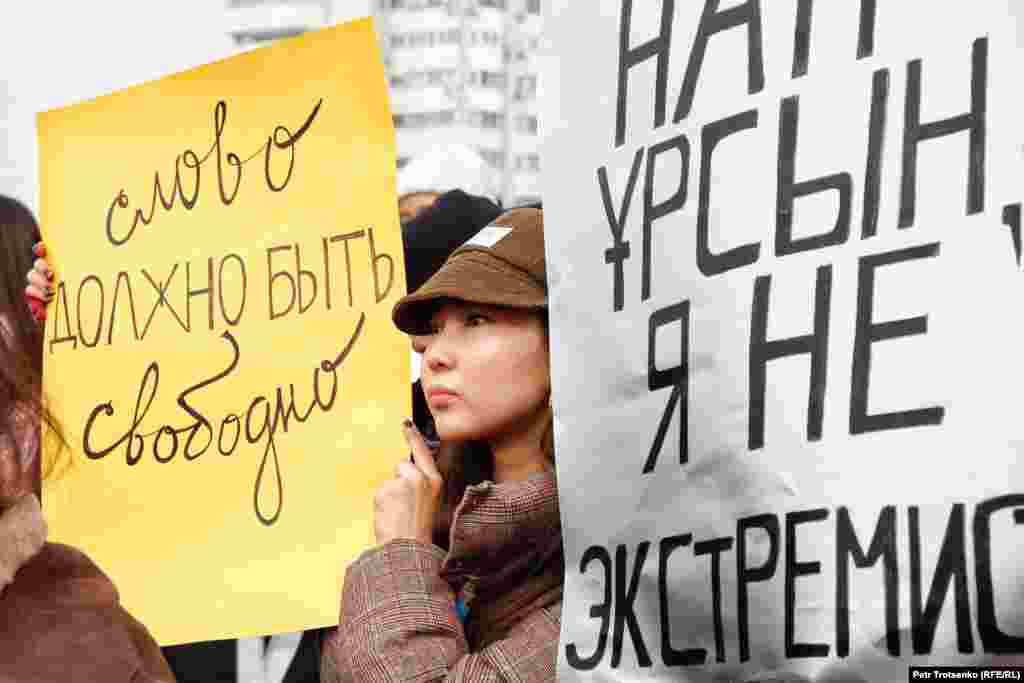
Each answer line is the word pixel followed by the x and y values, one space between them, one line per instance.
pixel 220 351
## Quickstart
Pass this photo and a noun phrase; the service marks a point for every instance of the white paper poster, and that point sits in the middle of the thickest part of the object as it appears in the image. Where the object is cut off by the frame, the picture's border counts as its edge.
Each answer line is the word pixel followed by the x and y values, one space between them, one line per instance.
pixel 784 252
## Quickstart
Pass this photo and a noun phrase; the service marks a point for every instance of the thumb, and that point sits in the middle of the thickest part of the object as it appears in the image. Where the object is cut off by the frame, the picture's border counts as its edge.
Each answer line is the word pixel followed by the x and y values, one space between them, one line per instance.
pixel 422 456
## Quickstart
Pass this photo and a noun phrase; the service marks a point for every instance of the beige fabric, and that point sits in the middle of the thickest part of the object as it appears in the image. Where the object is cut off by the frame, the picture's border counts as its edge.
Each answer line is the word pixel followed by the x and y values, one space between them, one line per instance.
pixel 22 535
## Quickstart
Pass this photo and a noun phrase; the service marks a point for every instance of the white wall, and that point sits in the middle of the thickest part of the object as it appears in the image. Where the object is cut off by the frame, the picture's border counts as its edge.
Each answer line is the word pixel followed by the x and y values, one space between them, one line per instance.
pixel 58 53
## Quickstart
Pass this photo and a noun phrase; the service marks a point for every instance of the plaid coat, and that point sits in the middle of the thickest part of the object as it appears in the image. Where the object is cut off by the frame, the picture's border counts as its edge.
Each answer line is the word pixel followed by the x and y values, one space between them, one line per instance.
pixel 399 618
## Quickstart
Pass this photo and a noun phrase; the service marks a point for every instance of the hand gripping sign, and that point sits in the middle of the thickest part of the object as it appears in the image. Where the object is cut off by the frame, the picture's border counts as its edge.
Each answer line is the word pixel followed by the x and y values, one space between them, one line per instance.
pixel 784 269
pixel 220 349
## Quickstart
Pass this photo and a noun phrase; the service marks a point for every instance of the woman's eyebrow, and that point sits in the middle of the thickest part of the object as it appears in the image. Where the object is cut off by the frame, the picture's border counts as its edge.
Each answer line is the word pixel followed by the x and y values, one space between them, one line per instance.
pixel 439 317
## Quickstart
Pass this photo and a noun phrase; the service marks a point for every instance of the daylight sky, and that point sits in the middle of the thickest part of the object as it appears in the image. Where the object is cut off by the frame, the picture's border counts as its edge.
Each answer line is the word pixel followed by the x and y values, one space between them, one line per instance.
pixel 58 52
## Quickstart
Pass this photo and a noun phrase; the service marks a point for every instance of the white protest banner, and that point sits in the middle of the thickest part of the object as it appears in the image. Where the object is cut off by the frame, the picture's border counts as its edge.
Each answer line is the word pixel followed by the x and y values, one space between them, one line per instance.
pixel 784 253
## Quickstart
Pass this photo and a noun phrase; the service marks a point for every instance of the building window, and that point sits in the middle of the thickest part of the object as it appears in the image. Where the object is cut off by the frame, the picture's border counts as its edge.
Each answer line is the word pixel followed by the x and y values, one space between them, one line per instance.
pixel 260 36
pixel 496 4
pixel 255 3
pixel 411 4
pixel 526 88
pixel 485 119
pixel 490 38
pixel 528 163
pixel 487 79
pixel 437 77
pixel 494 157
pixel 421 79
pixel 424 119
pixel 424 39
pixel 533 6
pixel 526 123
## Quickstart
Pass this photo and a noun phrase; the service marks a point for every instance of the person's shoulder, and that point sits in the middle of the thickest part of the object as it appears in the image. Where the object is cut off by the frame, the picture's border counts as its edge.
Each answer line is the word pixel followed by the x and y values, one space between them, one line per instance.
pixel 65 575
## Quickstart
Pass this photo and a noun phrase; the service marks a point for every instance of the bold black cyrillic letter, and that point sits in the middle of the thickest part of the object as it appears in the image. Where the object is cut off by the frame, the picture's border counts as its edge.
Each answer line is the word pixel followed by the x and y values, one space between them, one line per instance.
pixel 737 257
pixel 762 351
pixel 630 57
pixel 868 332
pixel 789 190
pixel 712 21
pixel 915 132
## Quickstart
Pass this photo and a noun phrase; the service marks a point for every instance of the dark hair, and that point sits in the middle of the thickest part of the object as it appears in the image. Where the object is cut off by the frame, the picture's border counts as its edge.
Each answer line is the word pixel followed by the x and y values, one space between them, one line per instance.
pixel 21 338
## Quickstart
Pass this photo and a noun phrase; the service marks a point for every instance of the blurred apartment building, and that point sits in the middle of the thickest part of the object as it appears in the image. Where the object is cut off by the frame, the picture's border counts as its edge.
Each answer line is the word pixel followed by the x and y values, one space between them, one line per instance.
pixel 462 75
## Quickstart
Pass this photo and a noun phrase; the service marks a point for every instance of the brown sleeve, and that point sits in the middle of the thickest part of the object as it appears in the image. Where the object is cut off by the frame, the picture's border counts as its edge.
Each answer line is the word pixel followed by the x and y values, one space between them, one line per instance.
pixel 398 623
pixel 328 670
pixel 154 666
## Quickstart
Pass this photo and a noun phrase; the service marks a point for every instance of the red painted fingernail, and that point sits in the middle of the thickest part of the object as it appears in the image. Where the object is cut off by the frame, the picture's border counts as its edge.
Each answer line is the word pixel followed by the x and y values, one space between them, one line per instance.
pixel 49 275
pixel 37 309
pixel 39 249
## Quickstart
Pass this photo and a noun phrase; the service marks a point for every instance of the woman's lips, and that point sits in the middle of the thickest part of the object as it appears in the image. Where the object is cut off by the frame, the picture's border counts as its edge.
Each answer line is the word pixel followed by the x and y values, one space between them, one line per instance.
pixel 441 397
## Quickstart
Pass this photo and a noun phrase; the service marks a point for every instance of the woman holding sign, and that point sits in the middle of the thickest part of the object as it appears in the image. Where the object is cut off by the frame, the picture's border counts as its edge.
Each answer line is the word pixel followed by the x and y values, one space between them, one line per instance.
pixel 487 607
pixel 60 619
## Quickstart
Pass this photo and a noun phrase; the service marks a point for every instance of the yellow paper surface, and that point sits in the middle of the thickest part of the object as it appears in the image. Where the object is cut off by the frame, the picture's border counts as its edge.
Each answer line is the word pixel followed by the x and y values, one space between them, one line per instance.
pixel 225 540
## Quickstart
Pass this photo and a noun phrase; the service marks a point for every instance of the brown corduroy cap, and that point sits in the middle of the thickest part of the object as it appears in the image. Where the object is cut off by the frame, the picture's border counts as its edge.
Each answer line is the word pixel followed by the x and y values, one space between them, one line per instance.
pixel 503 264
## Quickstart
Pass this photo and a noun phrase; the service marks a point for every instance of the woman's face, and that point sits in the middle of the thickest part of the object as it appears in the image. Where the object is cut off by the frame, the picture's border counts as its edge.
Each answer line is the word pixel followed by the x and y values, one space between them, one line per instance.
pixel 485 371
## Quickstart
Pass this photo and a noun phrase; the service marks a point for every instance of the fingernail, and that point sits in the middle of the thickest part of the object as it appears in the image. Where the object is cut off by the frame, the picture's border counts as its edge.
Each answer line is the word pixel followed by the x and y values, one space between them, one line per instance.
pixel 39 249
pixel 49 275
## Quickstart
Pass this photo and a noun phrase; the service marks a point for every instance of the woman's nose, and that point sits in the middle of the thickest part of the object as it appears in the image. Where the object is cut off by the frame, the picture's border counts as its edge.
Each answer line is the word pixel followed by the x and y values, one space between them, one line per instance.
pixel 437 353
pixel 419 342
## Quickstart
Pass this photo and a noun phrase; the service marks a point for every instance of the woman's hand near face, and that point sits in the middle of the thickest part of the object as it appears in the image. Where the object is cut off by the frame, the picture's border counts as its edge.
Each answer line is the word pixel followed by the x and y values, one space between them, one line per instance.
pixel 406 506
pixel 39 290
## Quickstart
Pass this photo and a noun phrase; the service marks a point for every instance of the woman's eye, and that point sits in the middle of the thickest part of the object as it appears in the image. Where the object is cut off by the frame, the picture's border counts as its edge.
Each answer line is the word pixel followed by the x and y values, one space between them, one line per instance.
pixel 475 319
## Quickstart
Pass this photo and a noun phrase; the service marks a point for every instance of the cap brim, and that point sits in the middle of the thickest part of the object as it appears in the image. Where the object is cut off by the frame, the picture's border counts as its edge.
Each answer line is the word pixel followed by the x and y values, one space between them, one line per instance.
pixel 473 276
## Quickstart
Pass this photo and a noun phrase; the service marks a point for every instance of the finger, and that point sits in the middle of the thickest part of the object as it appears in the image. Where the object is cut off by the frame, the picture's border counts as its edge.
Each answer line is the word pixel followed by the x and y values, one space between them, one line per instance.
pixel 419 342
pixel 39 287
pixel 421 453
pixel 42 296
pixel 408 471
pixel 37 307
pixel 404 461
pixel 43 268
pixel 33 293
